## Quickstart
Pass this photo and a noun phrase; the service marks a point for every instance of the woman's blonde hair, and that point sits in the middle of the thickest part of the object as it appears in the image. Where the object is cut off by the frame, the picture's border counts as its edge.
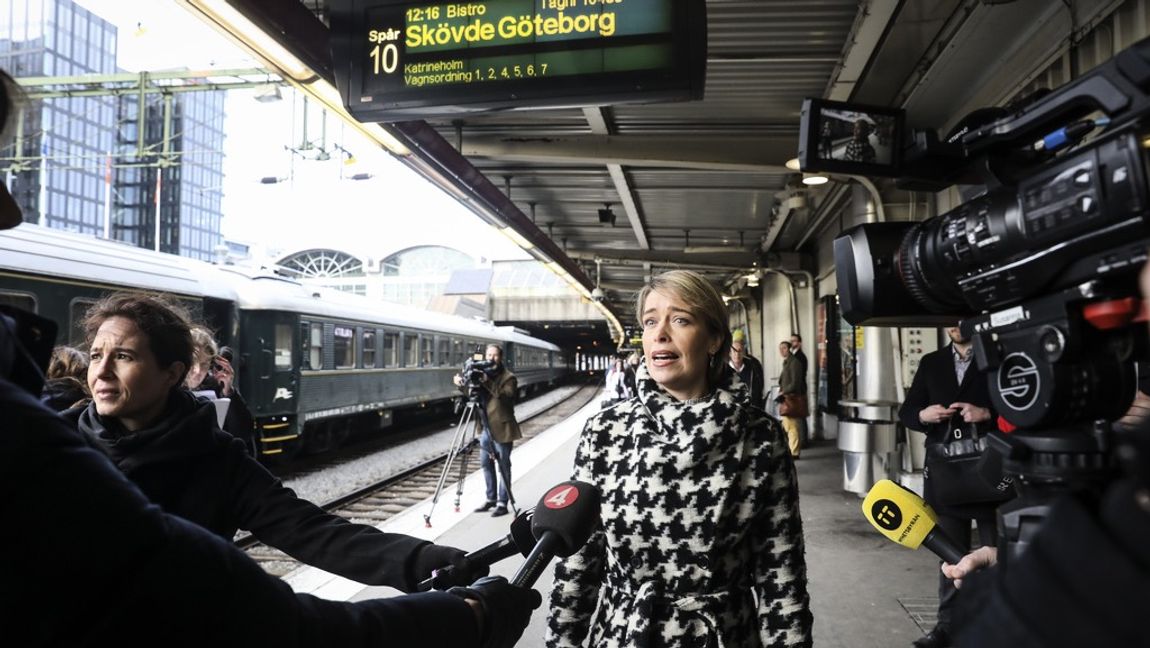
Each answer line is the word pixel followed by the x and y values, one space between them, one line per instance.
pixel 204 347
pixel 704 301
pixel 68 362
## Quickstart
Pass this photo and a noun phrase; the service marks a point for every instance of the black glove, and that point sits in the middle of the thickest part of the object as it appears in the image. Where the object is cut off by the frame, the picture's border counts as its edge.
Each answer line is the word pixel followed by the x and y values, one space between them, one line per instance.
pixel 431 558
pixel 506 609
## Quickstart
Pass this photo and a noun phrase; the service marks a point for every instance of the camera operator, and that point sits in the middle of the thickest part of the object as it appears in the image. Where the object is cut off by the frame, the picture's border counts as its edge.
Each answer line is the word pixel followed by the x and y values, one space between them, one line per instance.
pixel 949 385
pixel 89 561
pixel 496 391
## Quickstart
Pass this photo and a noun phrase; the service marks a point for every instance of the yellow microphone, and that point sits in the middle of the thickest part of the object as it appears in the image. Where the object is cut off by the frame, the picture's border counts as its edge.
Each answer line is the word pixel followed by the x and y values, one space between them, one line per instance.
pixel 903 517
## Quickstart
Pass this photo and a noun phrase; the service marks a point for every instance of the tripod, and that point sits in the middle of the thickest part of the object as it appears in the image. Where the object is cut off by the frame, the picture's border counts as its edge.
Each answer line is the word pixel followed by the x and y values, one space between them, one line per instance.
pixel 462 445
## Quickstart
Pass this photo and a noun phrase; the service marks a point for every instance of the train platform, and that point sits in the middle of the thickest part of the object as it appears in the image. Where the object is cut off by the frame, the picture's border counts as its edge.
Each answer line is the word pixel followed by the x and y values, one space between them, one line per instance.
pixel 866 592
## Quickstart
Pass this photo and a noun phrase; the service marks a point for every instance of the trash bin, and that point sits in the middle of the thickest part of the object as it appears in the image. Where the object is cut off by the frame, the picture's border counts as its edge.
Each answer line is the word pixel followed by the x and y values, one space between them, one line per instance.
pixel 868 440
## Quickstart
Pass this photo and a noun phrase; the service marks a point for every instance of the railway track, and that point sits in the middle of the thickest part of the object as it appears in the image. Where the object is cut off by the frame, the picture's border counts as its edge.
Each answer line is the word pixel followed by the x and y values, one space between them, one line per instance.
pixel 382 500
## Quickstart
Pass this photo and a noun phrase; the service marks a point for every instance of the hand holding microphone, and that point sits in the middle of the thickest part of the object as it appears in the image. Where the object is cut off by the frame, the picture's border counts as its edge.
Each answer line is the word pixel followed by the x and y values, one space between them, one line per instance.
pixel 473 565
pixel 903 517
pixel 970 563
pixel 562 522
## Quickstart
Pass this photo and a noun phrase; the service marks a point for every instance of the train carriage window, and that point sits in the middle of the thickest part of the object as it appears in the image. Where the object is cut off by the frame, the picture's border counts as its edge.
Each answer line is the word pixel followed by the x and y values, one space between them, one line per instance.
pixel 315 347
pixel 425 351
pixel 458 355
pixel 21 300
pixel 77 310
pixel 444 351
pixel 283 347
pixel 391 349
pixel 369 349
pixel 343 339
pixel 410 350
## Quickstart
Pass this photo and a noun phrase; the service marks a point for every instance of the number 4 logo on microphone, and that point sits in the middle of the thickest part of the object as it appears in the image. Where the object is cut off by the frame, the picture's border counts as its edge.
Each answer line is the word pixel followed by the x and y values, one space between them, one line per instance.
pixel 561 496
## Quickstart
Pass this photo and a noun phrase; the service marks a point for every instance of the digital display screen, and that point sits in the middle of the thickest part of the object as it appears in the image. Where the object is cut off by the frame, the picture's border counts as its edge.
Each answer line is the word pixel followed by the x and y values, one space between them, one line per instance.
pixel 849 138
pixel 403 60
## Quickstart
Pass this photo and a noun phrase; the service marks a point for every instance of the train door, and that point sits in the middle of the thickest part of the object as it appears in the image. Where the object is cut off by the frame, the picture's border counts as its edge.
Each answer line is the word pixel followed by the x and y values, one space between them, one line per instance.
pixel 270 351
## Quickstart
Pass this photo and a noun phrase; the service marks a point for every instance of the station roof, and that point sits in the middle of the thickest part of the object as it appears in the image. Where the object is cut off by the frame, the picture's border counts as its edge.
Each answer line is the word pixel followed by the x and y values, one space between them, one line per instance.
pixel 703 184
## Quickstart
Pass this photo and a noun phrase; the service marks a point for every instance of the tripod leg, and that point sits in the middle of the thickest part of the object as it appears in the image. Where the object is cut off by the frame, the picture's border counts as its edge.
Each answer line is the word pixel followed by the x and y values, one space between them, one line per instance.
pixel 452 452
pixel 465 460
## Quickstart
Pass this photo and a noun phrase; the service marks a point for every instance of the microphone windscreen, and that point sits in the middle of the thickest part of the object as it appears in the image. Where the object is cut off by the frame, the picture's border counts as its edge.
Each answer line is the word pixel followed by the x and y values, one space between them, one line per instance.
pixel 898 513
pixel 570 510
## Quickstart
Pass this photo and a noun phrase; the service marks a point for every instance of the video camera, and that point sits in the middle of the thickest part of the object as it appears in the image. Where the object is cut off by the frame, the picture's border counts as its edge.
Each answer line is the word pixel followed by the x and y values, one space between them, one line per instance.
pixel 1041 268
pixel 475 371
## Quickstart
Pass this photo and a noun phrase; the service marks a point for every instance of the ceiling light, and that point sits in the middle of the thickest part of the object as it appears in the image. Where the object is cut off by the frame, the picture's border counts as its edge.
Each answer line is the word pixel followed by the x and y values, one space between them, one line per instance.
pixel 517 238
pixel 814 179
pixel 235 24
pixel 792 164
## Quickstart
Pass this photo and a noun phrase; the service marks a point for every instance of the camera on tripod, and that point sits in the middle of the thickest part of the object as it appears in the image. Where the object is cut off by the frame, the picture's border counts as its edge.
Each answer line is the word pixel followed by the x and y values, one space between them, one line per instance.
pixel 1041 268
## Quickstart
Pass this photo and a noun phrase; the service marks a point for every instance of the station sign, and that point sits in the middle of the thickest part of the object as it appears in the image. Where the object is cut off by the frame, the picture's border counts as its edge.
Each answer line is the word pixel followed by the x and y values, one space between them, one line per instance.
pixel 399 60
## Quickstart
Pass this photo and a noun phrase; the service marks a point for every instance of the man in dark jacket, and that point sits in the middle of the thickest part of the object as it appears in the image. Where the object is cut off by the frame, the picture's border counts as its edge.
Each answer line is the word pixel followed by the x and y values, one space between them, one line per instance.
pixel 499 390
pixel 804 365
pixel 948 384
pixel 750 370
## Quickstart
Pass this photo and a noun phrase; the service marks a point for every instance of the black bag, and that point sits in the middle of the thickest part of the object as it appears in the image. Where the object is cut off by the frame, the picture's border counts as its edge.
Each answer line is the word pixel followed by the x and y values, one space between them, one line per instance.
pixel 963 470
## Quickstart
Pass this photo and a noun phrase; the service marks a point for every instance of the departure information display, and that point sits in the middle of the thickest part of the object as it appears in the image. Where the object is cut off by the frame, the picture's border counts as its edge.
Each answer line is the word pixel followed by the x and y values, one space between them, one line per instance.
pixel 402 60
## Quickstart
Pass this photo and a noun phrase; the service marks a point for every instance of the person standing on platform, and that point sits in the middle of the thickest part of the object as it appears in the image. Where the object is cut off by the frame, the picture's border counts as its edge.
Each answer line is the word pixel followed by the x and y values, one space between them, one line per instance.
pixel 792 398
pixel 797 351
pixel 699 539
pixel 750 370
pixel 947 385
pixel 211 376
pixel 616 385
pixel 631 368
pixel 500 431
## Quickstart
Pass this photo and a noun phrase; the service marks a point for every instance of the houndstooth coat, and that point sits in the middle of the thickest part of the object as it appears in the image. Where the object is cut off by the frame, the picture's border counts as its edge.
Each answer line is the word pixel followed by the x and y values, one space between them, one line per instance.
pixel 700 542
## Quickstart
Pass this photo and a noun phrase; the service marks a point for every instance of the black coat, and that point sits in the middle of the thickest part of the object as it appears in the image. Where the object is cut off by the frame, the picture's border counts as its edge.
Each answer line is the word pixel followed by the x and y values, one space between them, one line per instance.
pixel 191 468
pixel 61 393
pixel 752 377
pixel 936 384
pixel 133 575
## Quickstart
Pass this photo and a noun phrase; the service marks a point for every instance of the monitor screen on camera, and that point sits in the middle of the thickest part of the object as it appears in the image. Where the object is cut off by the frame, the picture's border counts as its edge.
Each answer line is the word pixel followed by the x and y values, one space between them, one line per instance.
pixel 842 137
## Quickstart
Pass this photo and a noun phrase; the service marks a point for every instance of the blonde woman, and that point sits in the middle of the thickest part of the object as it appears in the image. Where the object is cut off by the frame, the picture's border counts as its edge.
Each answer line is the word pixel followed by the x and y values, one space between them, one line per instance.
pixel 700 540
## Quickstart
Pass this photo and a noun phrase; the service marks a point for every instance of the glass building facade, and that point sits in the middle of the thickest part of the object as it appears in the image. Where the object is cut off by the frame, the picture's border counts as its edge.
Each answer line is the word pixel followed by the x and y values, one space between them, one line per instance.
pixel 74 163
pixel 58 175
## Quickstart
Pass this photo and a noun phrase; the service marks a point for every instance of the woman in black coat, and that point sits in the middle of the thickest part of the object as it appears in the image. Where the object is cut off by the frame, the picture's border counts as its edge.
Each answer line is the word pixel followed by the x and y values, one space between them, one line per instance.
pixel 169 444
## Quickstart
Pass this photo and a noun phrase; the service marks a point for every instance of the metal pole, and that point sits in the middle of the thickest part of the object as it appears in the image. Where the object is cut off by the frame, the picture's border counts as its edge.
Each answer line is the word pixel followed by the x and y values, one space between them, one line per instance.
pixel 108 197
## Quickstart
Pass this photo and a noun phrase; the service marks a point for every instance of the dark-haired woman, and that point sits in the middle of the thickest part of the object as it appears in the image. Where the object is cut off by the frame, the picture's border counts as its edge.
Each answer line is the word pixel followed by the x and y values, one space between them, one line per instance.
pixel 169 443
pixel 700 540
